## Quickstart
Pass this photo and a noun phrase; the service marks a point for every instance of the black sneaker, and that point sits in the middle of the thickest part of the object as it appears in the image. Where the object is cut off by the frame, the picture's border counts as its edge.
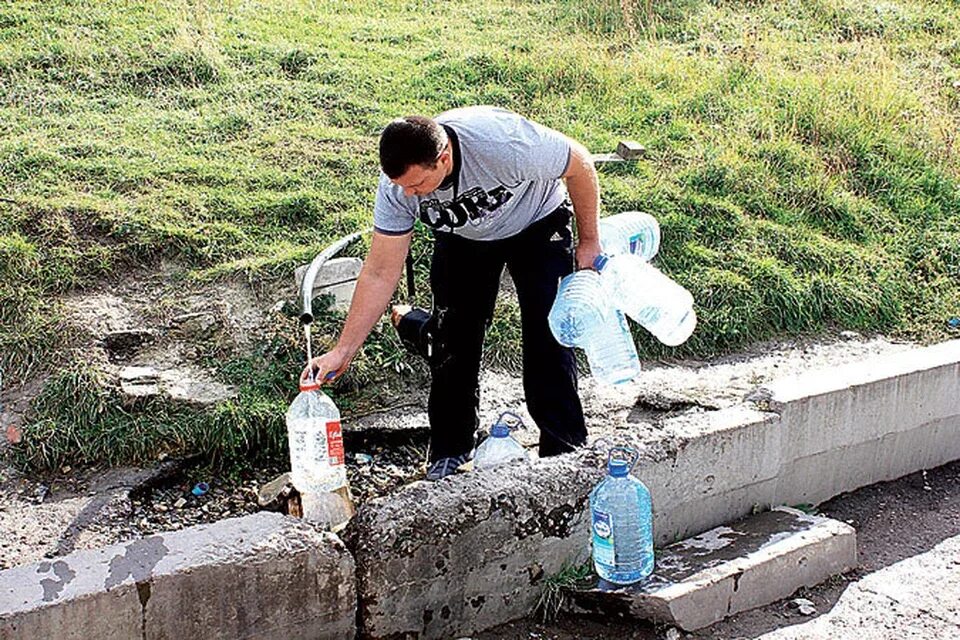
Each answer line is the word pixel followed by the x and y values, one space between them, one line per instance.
pixel 446 466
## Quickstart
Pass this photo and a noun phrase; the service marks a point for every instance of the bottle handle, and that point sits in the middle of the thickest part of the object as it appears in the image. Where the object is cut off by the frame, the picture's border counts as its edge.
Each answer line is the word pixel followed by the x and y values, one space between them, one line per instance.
pixel 627 454
pixel 514 424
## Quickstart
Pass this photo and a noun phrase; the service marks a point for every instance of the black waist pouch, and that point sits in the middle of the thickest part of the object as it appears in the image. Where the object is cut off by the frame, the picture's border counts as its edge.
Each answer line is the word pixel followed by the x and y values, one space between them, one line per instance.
pixel 415 333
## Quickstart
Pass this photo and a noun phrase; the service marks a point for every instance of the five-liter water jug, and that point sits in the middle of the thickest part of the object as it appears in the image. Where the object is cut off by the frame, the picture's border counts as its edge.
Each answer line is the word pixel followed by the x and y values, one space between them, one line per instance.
pixel 640 290
pixel 500 448
pixel 622 515
pixel 316 442
pixel 633 232
pixel 582 316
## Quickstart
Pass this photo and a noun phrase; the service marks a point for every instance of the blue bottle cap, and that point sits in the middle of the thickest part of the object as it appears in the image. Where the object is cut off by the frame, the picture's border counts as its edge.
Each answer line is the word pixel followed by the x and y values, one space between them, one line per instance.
pixel 499 430
pixel 600 262
pixel 618 468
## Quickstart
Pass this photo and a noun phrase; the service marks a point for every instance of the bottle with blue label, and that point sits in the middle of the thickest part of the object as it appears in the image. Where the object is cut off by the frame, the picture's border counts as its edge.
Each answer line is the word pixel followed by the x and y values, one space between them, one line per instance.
pixel 650 298
pixel 583 316
pixel 633 232
pixel 622 516
pixel 500 448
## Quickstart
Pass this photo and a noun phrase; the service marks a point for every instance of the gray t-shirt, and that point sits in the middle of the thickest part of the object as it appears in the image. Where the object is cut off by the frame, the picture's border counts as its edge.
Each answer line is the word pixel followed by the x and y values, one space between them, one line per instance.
pixel 506 177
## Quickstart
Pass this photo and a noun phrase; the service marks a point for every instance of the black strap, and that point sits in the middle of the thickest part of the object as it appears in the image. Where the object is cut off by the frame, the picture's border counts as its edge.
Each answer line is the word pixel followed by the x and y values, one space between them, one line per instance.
pixel 411 289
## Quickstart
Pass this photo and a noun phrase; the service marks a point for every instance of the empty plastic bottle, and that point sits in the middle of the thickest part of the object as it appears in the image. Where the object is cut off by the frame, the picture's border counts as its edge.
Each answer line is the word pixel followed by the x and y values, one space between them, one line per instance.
pixel 500 448
pixel 316 441
pixel 633 232
pixel 622 517
pixel 640 290
pixel 582 316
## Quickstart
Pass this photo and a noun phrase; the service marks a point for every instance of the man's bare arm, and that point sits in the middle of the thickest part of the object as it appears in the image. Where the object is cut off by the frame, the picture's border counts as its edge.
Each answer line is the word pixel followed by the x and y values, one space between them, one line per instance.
pixel 375 286
pixel 584 189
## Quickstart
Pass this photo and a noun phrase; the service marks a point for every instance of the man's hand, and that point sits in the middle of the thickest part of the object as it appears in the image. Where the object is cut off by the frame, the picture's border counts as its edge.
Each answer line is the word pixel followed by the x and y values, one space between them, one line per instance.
pixel 587 252
pixel 325 368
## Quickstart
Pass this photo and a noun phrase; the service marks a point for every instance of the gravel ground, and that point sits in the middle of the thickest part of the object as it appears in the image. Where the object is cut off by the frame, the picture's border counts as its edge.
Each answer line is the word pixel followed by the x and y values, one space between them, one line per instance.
pixel 42 517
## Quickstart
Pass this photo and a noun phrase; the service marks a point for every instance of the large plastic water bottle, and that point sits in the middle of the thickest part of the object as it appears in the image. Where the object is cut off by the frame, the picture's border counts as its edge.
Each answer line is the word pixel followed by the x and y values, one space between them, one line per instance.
pixel 500 448
pixel 640 290
pixel 622 517
pixel 316 441
pixel 633 232
pixel 582 316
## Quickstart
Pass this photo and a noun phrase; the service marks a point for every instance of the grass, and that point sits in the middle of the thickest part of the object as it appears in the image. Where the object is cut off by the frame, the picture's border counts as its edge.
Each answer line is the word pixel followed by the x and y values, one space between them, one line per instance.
pixel 553 591
pixel 802 154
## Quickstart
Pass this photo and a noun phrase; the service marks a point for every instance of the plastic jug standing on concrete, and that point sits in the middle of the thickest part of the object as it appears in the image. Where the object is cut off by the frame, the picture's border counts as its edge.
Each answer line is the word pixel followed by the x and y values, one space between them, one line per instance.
pixel 582 316
pixel 316 442
pixel 500 448
pixel 622 515
pixel 633 232
pixel 653 300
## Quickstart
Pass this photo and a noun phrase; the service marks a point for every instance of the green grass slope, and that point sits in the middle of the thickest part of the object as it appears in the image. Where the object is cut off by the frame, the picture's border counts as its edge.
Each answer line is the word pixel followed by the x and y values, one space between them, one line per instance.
pixel 802 156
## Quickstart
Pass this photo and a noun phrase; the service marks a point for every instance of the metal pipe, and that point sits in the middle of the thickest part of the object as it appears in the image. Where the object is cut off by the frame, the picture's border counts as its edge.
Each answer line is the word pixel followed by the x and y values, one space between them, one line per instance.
pixel 306 287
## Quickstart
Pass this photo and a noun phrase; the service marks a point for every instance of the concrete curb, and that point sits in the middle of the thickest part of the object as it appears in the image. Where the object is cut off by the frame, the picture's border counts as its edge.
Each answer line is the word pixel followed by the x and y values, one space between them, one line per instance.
pixel 470 552
pixel 261 576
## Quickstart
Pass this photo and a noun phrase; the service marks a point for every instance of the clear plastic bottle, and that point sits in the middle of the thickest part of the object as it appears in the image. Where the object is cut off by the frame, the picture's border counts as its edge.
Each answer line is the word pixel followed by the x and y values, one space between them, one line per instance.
pixel 640 290
pixel 316 441
pixel 622 515
pixel 582 316
pixel 633 232
pixel 500 448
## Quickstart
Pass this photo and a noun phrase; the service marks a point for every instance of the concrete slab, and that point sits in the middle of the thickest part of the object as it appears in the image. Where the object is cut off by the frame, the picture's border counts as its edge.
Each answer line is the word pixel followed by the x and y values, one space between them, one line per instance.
pixel 843 406
pixel 337 277
pixel 727 570
pixel 702 479
pixel 261 576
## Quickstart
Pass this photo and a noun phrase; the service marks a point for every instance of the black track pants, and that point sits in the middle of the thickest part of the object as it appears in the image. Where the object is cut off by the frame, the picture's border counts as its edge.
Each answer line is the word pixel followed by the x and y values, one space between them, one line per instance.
pixel 465 278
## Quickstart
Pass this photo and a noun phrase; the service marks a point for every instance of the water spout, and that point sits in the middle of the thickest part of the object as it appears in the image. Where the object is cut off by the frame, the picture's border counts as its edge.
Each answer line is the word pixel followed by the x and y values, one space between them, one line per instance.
pixel 306 287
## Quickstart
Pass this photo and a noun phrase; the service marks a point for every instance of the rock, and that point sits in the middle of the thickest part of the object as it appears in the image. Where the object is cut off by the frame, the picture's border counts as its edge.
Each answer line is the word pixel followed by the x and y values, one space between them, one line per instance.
pixel 186 384
pixel 195 326
pixel 273 495
pixel 803 606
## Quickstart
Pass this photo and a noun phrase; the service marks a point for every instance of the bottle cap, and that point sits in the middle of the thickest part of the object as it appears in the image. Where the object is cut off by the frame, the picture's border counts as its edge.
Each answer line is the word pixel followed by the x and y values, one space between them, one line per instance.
pixel 618 468
pixel 499 430
pixel 309 384
pixel 600 262
pixel 620 460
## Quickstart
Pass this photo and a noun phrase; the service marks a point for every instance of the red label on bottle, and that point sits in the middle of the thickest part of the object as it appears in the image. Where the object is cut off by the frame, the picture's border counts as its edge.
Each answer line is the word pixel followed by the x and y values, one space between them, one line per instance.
pixel 334 443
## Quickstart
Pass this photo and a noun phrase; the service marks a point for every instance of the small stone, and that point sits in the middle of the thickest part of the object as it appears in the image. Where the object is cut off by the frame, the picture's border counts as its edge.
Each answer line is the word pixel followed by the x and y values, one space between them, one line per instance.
pixel 804 606
pixel 13 434
pixel 162 508
pixel 672 634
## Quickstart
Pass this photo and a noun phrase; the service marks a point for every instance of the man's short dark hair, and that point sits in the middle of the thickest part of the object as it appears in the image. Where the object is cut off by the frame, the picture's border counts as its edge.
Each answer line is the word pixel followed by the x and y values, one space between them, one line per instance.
pixel 409 141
